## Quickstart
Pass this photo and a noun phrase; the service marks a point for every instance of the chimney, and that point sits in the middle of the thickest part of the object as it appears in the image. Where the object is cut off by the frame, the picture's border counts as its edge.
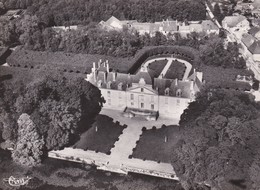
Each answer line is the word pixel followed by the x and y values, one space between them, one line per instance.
pixel 107 68
pixel 176 82
pixel 192 85
pixel 105 77
pixel 99 62
pixel 94 67
pixel 94 71
pixel 114 76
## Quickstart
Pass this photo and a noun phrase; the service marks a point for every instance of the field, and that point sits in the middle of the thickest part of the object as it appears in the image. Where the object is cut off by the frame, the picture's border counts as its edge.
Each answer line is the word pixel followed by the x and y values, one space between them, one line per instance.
pixel 152 145
pixel 176 70
pixel 157 66
pixel 101 136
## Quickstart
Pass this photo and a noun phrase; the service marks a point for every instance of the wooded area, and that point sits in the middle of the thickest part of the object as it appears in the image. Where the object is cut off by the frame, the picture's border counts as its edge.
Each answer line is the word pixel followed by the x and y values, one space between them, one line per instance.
pixel 220 144
pixel 73 12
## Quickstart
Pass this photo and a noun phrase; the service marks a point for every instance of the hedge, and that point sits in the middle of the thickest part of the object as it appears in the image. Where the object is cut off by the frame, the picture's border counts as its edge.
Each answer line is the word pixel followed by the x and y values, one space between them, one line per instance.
pixel 70 62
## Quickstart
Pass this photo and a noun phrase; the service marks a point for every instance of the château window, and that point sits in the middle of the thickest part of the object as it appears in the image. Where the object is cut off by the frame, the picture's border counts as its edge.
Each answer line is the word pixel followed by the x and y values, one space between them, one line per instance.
pixel 178 102
pixel 109 84
pixel 178 93
pixel 142 90
pixel 167 92
pixel 120 86
pixel 132 103
pixel 166 100
pixel 142 105
pixel 132 97
pixel 152 106
pixel 99 83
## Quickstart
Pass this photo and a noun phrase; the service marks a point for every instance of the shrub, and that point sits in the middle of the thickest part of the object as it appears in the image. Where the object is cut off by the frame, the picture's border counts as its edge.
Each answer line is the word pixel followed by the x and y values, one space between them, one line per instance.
pixel 255 85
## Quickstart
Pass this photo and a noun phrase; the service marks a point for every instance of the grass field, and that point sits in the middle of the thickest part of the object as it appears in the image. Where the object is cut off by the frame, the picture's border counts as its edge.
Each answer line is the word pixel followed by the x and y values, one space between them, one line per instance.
pixel 157 66
pixel 104 138
pixel 176 70
pixel 152 145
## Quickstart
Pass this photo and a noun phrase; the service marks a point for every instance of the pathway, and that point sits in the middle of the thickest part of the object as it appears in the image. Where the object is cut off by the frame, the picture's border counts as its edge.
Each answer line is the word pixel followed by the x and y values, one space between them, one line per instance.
pixel 167 66
pixel 118 160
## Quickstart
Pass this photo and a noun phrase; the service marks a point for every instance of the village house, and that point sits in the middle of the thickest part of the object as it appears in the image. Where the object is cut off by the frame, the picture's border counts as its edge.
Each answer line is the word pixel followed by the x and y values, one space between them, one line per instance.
pixel 142 93
pixel 236 25
pixel 12 14
pixel 248 37
pixel 166 26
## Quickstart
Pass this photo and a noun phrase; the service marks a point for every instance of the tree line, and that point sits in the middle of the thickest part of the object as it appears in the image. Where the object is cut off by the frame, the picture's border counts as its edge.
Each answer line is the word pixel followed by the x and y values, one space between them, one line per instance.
pixel 71 12
pixel 46 114
pixel 220 144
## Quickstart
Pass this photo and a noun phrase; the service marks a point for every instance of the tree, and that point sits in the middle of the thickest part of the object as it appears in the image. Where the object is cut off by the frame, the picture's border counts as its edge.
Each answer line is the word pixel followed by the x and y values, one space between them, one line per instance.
pixel 61 108
pixel 220 141
pixel 217 13
pixel 29 147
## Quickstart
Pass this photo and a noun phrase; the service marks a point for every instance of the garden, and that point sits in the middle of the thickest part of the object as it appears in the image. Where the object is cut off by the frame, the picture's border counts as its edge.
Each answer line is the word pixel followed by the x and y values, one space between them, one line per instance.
pixel 157 66
pixel 176 71
pixel 157 144
pixel 102 136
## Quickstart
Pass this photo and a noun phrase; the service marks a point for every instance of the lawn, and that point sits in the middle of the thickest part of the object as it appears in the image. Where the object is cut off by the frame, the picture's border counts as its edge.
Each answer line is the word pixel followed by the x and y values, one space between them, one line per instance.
pixel 157 66
pixel 152 145
pixel 176 70
pixel 224 77
pixel 104 138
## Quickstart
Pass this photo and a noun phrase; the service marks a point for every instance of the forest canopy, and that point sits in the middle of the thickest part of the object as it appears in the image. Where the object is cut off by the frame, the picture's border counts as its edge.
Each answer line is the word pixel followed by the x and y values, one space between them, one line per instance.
pixel 71 12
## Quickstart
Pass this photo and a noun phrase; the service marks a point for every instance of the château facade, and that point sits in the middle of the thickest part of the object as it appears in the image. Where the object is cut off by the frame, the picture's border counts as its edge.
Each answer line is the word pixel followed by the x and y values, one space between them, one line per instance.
pixel 143 92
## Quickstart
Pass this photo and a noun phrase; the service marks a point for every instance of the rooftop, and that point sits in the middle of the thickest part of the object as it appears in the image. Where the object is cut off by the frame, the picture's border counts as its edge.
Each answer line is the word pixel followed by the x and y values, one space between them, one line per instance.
pixel 232 21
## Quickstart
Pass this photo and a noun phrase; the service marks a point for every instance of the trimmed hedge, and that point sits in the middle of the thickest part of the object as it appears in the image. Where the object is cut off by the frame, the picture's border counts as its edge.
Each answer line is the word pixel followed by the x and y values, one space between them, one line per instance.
pixel 184 52
pixel 68 62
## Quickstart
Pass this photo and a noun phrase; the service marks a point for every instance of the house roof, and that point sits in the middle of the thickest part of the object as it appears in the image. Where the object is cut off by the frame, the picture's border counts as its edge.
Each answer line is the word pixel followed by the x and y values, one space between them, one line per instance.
pixel 253 30
pixel 196 27
pixel 256 22
pixel 184 86
pixel 142 26
pixel 255 48
pixel 209 25
pixel 169 26
pixel 111 20
pixel 145 75
pixel 248 39
pixel 162 84
pixel 232 21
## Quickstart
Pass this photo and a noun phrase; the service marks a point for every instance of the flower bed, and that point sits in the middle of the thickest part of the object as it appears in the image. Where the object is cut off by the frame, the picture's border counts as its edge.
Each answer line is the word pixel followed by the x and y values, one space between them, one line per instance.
pixel 175 71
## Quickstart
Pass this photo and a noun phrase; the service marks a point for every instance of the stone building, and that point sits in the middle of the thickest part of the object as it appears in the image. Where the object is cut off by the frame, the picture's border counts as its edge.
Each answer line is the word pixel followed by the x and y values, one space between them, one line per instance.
pixel 165 27
pixel 142 93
